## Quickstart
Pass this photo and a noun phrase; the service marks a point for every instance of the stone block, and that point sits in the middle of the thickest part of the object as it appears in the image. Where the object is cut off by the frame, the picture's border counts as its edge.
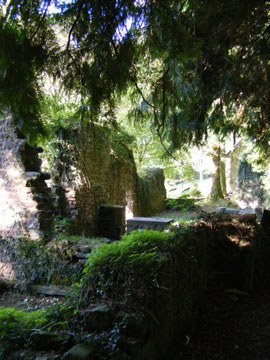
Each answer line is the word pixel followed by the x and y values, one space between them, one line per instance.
pixel 146 223
pixel 112 221
pixel 44 340
pixel 81 352
pixel 98 318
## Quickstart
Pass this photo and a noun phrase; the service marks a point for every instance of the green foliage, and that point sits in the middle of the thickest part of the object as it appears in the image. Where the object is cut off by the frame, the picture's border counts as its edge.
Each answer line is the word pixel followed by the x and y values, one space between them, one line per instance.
pixel 185 65
pixel 39 264
pixel 182 203
pixel 25 43
pixel 15 327
pixel 138 254
pixel 187 200
pixel 136 249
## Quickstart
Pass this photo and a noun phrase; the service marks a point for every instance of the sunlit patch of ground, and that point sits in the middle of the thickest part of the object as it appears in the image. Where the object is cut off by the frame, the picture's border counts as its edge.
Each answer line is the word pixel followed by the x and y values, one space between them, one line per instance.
pixel 205 205
pixel 179 216
pixel 209 205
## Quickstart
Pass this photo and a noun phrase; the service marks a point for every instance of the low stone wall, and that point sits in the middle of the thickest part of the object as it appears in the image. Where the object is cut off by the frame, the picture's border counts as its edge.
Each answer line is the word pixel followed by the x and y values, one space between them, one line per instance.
pixel 25 201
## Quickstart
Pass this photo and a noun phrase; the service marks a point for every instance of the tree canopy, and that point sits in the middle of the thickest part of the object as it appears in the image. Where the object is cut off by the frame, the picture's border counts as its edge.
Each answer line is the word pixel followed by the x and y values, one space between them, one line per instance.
pixel 188 66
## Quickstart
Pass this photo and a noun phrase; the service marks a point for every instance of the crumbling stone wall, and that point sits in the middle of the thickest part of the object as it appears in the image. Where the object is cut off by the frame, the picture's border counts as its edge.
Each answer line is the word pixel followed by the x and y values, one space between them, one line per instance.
pixel 104 172
pixel 25 202
pixel 151 192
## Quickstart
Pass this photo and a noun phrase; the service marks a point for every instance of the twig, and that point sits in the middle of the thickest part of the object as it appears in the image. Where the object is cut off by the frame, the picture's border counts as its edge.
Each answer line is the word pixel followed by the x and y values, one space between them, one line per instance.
pixel 74 24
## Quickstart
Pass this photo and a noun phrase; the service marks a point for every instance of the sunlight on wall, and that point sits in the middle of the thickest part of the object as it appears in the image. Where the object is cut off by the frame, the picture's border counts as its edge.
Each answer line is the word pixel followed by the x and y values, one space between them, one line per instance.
pixel 129 206
pixel 205 186
pixel 6 271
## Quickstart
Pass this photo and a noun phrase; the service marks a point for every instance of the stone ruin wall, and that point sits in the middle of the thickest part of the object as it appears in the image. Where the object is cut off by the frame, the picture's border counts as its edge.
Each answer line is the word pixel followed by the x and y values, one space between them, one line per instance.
pixel 246 184
pixel 97 175
pixel 25 201
pixel 101 176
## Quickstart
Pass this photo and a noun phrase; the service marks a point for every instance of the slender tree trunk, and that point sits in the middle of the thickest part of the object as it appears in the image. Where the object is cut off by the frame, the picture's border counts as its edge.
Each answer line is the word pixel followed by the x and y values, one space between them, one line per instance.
pixel 222 169
pixel 218 190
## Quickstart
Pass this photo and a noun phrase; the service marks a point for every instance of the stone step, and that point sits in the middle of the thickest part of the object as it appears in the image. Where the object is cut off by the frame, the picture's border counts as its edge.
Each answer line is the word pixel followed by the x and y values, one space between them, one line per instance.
pixel 81 256
pixel 51 290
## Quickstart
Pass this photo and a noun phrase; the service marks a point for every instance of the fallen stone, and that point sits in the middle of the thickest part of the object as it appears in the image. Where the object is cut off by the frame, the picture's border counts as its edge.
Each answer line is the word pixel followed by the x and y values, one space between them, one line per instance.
pixel 130 346
pixel 80 256
pixel 85 249
pixel 142 223
pixel 247 211
pixel 32 175
pixel 98 318
pixel 42 340
pixel 81 352
pixel 135 325
pixel 51 290
pixel 227 210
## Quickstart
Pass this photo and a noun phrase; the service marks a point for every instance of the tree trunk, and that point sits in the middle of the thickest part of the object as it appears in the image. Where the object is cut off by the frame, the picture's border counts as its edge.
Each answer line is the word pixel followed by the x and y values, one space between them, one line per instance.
pixel 218 190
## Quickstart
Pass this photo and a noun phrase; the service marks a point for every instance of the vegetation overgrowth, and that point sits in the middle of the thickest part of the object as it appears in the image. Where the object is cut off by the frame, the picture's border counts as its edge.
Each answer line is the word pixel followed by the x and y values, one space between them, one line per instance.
pixel 137 258
pixel 185 66
pixel 15 327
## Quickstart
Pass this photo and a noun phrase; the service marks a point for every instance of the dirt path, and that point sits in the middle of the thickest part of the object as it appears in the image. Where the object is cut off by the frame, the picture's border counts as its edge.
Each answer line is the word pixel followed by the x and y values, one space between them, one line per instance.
pixel 234 327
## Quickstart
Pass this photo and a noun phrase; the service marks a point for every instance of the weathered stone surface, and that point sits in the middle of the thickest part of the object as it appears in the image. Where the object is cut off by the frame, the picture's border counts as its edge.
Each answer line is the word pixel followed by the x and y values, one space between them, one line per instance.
pixel 80 255
pixel 135 325
pixel 231 211
pixel 42 340
pixel 98 318
pixel 130 346
pixel 143 223
pixel 20 181
pixel 100 175
pixel 81 352
pixel 85 249
pixel 32 175
pixel 151 192
pixel 51 290
pixel 112 221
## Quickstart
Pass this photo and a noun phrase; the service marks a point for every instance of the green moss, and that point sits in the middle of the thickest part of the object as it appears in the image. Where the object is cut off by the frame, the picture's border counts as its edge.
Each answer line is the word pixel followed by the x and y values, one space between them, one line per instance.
pixel 15 327
pixel 134 250
pixel 123 267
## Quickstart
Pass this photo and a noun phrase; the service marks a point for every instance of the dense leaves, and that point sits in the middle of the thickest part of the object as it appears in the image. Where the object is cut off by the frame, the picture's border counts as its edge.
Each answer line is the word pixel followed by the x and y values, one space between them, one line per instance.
pixel 189 66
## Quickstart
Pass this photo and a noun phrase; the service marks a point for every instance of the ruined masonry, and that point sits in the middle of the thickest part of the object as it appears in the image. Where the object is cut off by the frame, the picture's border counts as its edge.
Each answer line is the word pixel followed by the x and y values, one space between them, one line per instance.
pixel 100 174
pixel 25 199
